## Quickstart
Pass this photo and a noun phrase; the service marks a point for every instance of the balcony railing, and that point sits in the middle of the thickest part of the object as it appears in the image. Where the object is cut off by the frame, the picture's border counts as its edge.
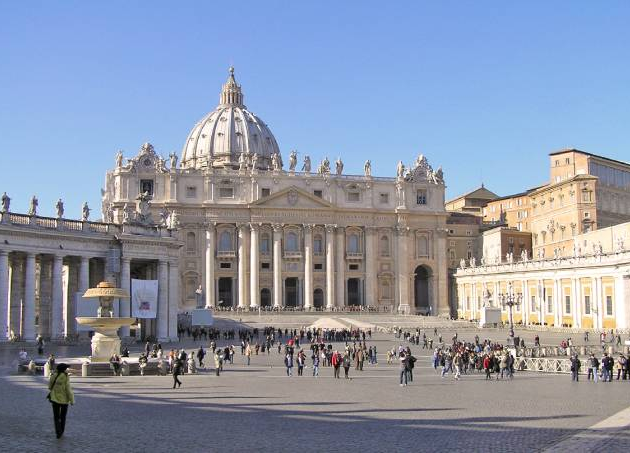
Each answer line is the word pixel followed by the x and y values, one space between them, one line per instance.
pixel 295 254
pixel 226 254
pixel 354 255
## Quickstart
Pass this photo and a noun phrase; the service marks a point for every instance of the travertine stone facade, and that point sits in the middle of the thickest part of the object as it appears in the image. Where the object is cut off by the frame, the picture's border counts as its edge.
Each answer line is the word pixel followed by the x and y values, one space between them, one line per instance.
pixel 259 235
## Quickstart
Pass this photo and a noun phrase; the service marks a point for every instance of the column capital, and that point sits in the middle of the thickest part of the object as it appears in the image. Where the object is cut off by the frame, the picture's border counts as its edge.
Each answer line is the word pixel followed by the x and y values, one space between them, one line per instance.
pixel 210 225
pixel 242 225
pixel 277 227
pixel 255 227
pixel 125 259
pixel 330 228
pixel 308 227
pixel 401 230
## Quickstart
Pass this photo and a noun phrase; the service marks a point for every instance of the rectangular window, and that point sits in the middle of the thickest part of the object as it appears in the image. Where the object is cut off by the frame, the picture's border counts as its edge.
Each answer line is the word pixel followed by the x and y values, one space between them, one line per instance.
pixel 265 192
pixel 384 198
pixel 319 266
pixel 191 192
pixel 421 197
pixel 354 197
pixel 452 254
pixel 587 305
pixel 354 267
pixel 318 193
pixel 550 304
pixel 533 303
pixel 567 304
pixel 225 265
pixel 146 185
pixel 609 306
pixel 266 266
pixel 226 192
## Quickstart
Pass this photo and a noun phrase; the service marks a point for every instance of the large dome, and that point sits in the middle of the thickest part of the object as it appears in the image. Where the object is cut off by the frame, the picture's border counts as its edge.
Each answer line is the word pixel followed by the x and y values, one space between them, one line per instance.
pixel 223 134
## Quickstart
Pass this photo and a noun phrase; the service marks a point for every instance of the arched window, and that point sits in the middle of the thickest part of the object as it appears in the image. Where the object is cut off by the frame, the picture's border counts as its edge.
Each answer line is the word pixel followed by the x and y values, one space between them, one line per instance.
pixel 265 245
pixel 353 243
pixel 423 246
pixel 318 244
pixel 384 246
pixel 225 242
pixel 191 242
pixel 292 242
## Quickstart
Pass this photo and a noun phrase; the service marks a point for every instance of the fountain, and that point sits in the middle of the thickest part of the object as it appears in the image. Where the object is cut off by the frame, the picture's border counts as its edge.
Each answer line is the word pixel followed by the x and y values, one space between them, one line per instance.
pixel 105 341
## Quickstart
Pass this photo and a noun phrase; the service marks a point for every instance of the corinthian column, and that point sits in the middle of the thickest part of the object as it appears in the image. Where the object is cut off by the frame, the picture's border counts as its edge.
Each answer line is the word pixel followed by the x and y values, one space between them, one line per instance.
pixel 28 326
pixel 340 268
pixel 330 267
pixel 370 267
pixel 243 234
pixel 308 266
pixel 254 292
pixel 209 277
pixel 277 266
pixel 4 295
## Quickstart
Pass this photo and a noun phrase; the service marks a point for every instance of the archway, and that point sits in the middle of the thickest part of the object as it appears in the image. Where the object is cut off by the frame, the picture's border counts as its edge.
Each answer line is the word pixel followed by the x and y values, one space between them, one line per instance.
pixel 225 292
pixel 421 290
pixel 265 297
pixel 318 298
pixel 291 292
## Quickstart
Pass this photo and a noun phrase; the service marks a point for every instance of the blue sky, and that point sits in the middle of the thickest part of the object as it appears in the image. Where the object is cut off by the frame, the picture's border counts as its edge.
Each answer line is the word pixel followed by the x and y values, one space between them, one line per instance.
pixel 484 88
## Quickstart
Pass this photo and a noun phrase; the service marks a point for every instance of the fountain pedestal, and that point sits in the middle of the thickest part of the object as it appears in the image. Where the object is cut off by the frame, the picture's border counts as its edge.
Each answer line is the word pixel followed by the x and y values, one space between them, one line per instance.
pixel 105 341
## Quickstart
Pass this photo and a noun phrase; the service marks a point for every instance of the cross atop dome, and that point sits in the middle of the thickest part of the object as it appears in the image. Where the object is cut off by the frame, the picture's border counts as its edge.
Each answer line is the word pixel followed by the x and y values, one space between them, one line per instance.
pixel 231 94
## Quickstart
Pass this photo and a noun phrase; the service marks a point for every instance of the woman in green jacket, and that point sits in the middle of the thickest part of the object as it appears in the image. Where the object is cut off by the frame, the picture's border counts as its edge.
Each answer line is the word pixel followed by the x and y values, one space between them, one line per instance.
pixel 60 396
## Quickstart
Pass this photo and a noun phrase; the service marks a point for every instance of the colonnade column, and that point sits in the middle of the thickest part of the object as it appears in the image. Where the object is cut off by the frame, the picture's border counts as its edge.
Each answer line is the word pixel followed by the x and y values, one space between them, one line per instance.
pixel 125 283
pixel 209 280
pixel 28 325
pixel 526 303
pixel 243 233
pixel 162 311
pixel 277 266
pixel 57 298
pixel 308 266
pixel 330 269
pixel 4 295
pixel 599 302
pixel 340 268
pixel 370 267
pixel 173 299
pixel 575 302
pixel 254 266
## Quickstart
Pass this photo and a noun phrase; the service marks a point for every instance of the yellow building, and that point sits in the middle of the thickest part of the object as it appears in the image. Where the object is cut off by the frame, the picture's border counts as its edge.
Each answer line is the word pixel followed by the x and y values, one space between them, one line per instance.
pixel 472 202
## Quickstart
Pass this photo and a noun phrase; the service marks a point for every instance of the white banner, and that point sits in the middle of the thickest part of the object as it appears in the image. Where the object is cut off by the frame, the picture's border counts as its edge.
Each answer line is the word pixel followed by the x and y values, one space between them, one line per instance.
pixel 144 296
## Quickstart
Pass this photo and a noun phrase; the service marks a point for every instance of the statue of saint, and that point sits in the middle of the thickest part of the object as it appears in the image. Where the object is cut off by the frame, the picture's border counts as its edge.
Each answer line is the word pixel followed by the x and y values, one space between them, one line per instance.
pixel 242 162
pixel 292 160
pixel 32 210
pixel 367 168
pixel 126 214
pixel 438 176
pixel 462 263
pixel 400 169
pixel 254 161
pixel 119 159
pixel 6 202
pixel 325 166
pixel 524 255
pixel 275 162
pixel 199 297
pixel 473 262
pixel 173 158
pixel 164 216
pixel 338 166
pixel 59 208
pixel 85 212
pixel 307 164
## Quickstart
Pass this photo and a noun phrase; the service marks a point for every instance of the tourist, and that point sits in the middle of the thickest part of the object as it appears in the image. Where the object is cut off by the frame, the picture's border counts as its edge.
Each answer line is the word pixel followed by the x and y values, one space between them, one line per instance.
pixel 315 358
pixel 288 363
pixel 60 395
pixel 192 365
pixel 607 368
pixel 336 363
pixel 403 369
pixel 40 345
pixel 200 355
pixel 347 361
pixel 248 353
pixel 447 363
pixel 142 363
pixel 51 364
pixel 411 360
pixel 487 366
pixel 301 359
pixel 593 368
pixel 218 362
pixel 177 370
pixel 114 363
pixel 575 368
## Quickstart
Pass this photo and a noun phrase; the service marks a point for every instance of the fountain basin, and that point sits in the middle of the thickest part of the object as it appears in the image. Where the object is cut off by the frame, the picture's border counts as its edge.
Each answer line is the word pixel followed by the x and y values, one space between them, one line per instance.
pixel 105 341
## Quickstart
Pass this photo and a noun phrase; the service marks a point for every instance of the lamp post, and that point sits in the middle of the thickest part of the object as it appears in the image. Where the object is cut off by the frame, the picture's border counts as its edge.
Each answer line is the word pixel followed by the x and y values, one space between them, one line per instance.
pixel 511 300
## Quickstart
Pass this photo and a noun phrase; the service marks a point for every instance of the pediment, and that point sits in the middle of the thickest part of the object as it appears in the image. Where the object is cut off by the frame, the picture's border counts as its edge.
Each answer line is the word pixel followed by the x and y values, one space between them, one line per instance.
pixel 292 197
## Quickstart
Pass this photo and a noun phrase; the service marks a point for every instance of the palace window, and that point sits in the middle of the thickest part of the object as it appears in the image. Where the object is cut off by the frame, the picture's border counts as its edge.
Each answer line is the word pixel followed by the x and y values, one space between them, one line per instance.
pixel 421 197
pixel 318 193
pixel 292 242
pixel 191 192
pixel 353 243
pixel 587 196
pixel 191 243
pixel 567 304
pixel 318 244
pixel 609 306
pixel 265 192
pixel 226 192
pixel 549 303
pixel 587 305
pixel 318 266
pixel 384 198
pixel 265 266
pixel 265 244
pixel 146 185
pixel 533 303
pixel 354 196
pixel 384 246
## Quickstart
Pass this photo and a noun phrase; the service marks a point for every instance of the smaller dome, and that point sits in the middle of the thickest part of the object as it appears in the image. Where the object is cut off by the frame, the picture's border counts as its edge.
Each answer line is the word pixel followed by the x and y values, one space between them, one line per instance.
pixel 228 131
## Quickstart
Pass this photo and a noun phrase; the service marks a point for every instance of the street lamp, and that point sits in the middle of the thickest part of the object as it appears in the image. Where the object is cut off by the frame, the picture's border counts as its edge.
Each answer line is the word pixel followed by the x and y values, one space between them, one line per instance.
pixel 510 300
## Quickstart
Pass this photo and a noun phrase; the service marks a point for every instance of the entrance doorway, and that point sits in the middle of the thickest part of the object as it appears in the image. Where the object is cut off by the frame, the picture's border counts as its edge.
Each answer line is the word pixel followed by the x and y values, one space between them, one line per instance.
pixel 265 297
pixel 225 292
pixel 421 290
pixel 291 292
pixel 318 298
pixel 354 295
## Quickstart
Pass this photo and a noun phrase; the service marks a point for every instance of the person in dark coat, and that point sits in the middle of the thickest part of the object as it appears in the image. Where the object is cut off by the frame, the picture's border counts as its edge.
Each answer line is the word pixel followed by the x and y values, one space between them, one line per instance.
pixel 177 370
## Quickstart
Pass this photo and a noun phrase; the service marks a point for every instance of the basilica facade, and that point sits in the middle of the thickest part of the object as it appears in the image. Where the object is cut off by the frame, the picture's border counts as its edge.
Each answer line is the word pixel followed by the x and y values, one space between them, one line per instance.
pixel 259 233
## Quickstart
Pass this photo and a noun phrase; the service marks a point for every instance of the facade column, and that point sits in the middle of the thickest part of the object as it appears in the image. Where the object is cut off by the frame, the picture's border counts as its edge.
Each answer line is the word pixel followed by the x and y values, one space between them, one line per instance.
pixel 621 296
pixel 575 302
pixel 209 277
pixel 340 268
pixel 277 266
pixel 371 296
pixel 28 326
pixel 599 302
pixel 173 299
pixel 526 303
pixel 125 283
pixel 16 294
pixel 308 267
pixel 254 266
pixel 330 269
pixel 56 323
pixel 4 295
pixel 162 311
pixel 243 233
pixel 403 269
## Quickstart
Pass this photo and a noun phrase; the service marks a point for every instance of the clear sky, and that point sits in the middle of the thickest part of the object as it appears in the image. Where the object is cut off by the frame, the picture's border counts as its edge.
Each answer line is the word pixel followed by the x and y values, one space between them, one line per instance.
pixel 484 88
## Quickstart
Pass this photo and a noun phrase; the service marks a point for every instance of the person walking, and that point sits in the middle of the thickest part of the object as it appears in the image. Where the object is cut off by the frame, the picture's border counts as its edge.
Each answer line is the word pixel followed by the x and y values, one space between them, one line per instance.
pixel 217 362
pixel 575 368
pixel 487 365
pixel 248 353
pixel 315 358
pixel 177 370
pixel 347 361
pixel 403 369
pixel 301 358
pixel 288 362
pixel 336 363
pixel 200 356
pixel 593 368
pixel 142 363
pixel 60 395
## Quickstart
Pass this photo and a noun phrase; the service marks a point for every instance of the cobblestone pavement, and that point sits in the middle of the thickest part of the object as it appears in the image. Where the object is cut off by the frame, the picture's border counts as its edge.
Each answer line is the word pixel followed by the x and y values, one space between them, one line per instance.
pixel 257 407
